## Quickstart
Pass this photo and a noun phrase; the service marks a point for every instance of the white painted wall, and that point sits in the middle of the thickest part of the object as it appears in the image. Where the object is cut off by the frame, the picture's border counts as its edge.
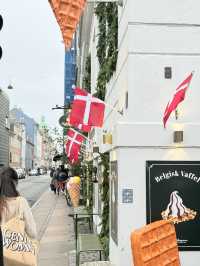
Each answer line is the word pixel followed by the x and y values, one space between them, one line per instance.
pixel 185 11
pixel 132 174
pixel 152 35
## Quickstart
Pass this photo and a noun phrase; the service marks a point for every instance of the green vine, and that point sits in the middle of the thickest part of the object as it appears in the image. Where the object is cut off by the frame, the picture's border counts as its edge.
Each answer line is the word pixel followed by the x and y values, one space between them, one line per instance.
pixel 87 75
pixel 107 52
pixel 89 185
pixel 104 234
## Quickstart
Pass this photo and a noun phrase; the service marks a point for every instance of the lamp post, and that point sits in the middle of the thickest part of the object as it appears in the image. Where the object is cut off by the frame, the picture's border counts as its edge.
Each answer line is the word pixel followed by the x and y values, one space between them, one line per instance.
pixel 68 108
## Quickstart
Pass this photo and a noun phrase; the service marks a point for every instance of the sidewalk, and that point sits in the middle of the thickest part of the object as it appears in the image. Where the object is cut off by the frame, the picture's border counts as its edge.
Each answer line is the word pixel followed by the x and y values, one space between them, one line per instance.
pixel 55 230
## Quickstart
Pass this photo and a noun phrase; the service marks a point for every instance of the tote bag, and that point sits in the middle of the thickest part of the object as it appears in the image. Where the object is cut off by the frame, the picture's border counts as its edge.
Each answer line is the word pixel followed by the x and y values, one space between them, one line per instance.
pixel 18 248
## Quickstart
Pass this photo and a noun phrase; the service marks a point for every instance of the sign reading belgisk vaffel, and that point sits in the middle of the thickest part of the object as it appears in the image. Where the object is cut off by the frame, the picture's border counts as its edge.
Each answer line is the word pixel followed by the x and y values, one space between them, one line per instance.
pixel 173 193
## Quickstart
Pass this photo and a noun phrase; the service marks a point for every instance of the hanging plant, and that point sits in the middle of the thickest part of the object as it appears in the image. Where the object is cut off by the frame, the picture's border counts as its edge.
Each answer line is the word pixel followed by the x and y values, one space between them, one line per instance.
pixel 112 38
pixel 87 76
pixel 104 234
pixel 89 185
pixel 107 52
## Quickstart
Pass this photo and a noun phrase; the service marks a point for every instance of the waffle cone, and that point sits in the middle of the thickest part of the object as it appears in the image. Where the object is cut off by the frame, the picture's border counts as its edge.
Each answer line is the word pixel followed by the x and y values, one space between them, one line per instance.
pixel 74 193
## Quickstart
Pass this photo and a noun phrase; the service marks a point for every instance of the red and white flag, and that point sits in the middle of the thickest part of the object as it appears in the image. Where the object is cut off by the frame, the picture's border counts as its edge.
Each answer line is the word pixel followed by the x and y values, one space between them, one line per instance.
pixel 84 128
pixel 177 98
pixel 86 109
pixel 73 145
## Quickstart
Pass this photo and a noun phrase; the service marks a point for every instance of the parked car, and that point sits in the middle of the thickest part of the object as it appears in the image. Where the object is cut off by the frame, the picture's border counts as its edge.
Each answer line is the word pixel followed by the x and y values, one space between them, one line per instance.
pixel 43 171
pixel 21 173
pixel 33 172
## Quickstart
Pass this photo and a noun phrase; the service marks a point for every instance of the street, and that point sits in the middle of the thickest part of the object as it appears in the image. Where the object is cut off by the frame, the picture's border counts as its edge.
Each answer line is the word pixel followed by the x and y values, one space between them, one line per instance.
pixel 32 187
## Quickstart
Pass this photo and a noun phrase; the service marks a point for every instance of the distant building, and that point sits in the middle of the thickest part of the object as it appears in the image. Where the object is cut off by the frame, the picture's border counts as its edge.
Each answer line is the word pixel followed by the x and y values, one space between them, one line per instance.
pixel 16 144
pixel 30 125
pixel 4 129
pixel 37 147
pixel 70 72
pixel 45 144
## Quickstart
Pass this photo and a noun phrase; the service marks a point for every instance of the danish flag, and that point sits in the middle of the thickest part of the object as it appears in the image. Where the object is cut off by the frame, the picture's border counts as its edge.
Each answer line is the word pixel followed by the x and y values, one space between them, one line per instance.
pixel 73 145
pixel 86 109
pixel 177 98
pixel 82 127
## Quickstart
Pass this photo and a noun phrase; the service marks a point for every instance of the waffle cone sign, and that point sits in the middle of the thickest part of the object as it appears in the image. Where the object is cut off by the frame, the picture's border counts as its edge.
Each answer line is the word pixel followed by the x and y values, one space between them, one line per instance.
pixel 69 13
pixel 74 193
pixel 155 244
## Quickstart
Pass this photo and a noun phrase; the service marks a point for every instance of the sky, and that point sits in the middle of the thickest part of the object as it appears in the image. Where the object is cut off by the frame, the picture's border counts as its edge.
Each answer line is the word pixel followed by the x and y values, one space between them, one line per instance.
pixel 33 58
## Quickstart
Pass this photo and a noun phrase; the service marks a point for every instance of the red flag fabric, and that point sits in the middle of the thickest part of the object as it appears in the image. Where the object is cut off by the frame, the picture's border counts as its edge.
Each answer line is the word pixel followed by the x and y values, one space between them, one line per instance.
pixel 84 128
pixel 177 98
pixel 74 141
pixel 86 109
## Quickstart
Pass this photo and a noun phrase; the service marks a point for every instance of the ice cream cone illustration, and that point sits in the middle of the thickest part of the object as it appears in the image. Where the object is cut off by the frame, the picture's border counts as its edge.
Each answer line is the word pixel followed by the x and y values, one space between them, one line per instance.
pixel 73 188
pixel 176 211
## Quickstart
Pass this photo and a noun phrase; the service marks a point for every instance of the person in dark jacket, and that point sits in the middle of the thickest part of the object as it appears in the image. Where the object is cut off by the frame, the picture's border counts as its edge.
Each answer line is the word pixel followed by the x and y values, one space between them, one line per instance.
pixel 61 176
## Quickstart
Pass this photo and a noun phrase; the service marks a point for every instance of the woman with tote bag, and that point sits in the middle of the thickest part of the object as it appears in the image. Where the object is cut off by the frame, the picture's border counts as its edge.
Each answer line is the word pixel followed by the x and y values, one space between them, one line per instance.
pixel 17 223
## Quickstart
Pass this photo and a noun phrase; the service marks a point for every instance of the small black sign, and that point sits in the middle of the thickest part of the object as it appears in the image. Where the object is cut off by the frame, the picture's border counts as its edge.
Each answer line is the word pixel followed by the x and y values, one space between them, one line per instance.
pixel 173 192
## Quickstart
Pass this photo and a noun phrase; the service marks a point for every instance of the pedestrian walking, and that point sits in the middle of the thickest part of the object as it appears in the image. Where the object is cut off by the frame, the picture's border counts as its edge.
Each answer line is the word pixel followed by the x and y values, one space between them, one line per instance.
pixel 52 171
pixel 17 223
pixel 61 176
pixel 53 184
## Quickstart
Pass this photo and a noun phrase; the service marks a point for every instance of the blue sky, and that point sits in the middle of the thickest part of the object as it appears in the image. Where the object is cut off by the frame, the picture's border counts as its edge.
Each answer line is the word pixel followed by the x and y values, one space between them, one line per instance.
pixel 33 58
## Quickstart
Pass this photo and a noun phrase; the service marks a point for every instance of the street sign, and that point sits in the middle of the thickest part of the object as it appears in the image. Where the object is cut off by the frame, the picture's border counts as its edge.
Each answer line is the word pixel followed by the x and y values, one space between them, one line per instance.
pixel 173 189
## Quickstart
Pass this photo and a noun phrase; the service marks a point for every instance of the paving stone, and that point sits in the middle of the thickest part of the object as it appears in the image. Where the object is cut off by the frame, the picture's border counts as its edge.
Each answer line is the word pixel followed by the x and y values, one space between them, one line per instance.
pixel 56 232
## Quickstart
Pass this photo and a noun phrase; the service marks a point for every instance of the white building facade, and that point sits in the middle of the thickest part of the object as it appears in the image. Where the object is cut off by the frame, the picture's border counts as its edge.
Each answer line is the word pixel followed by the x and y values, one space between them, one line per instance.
pixel 154 38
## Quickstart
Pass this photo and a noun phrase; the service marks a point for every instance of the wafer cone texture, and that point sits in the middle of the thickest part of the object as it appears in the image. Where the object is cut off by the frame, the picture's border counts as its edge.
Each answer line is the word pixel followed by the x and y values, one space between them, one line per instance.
pixel 155 244
pixel 67 13
pixel 74 193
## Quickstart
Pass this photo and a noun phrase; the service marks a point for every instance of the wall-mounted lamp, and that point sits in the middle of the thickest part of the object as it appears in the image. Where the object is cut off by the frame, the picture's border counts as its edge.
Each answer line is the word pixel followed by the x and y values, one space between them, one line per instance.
pixel 10 87
pixel 107 138
pixel 96 149
pixel 178 136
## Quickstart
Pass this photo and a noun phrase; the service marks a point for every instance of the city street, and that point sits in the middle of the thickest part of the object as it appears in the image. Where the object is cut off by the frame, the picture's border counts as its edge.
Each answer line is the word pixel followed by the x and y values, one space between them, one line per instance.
pixel 32 187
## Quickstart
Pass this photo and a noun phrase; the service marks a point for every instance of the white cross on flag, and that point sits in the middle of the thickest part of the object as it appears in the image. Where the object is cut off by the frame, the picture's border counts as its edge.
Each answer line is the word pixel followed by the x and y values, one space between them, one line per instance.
pixel 177 98
pixel 85 128
pixel 81 127
pixel 86 109
pixel 73 145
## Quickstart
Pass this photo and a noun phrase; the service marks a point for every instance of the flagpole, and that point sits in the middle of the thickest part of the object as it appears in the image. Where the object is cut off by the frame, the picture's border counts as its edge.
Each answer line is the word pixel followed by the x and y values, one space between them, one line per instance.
pixel 176 111
pixel 113 108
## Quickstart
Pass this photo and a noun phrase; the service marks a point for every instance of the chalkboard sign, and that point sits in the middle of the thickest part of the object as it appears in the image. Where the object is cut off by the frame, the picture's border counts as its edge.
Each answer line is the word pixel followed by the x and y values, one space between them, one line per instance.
pixel 173 192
